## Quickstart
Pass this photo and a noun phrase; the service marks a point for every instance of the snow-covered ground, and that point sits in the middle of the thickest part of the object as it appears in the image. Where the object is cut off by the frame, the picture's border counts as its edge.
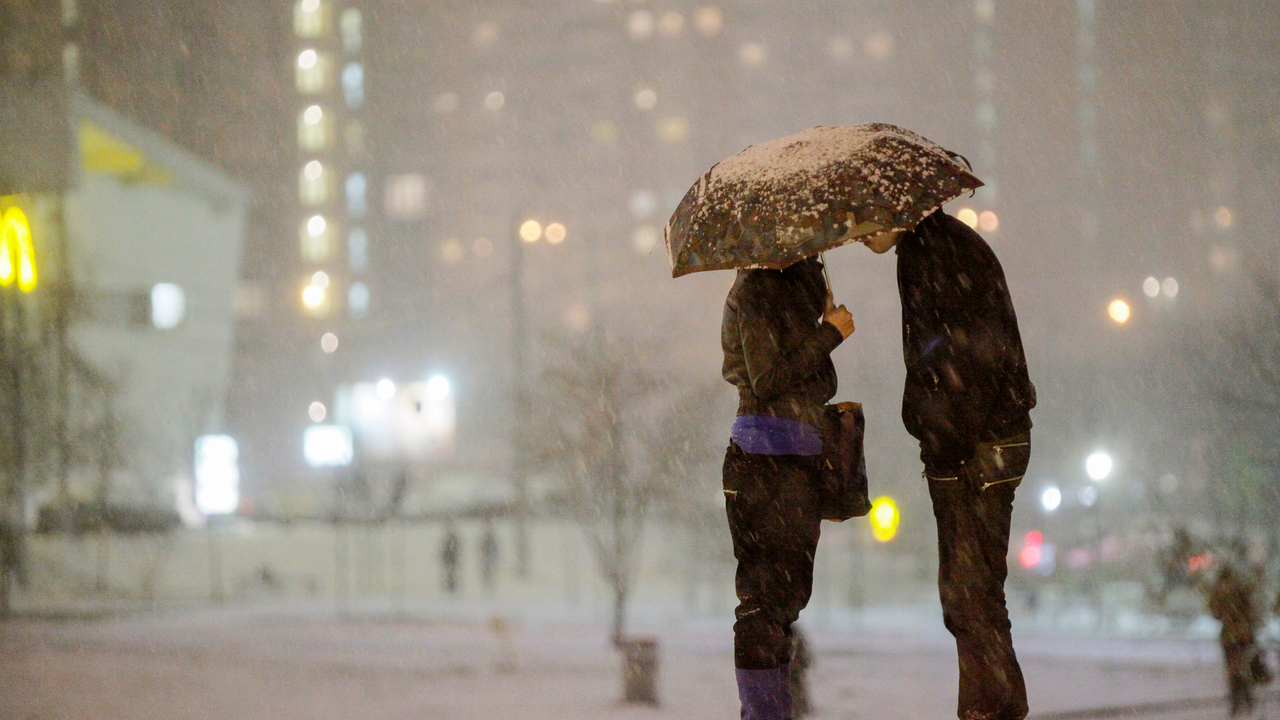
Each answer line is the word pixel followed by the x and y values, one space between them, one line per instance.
pixel 475 662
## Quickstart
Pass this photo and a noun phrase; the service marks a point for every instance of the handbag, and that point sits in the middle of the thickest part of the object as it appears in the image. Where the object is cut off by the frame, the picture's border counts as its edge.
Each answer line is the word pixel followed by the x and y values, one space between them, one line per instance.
pixel 842 476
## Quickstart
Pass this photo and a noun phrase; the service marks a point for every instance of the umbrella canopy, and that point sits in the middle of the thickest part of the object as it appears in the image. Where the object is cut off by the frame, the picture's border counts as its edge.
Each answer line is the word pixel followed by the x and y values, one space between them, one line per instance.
pixel 779 202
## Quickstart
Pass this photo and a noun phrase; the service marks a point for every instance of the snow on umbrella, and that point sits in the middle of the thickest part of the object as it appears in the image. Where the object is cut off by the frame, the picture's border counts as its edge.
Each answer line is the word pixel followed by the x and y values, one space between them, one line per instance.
pixel 779 202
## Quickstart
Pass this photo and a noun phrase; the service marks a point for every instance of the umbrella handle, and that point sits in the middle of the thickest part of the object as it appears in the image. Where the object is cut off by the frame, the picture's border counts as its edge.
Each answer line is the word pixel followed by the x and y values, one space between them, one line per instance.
pixel 826 276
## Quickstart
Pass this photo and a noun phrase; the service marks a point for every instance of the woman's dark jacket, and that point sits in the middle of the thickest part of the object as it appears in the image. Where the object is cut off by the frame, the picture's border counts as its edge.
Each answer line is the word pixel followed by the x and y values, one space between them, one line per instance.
pixel 966 372
pixel 776 346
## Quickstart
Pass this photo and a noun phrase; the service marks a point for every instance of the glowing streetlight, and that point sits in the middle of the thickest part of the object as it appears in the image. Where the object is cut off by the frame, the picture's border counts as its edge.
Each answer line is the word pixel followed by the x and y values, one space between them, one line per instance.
pixel 386 389
pixel 530 231
pixel 1098 466
pixel 312 115
pixel 312 296
pixel 307 59
pixel 1119 311
pixel 1151 287
pixel 317 411
pixel 555 233
pixel 1051 498
pixel 316 225
pixel 968 217
pixel 328 342
pixel 438 387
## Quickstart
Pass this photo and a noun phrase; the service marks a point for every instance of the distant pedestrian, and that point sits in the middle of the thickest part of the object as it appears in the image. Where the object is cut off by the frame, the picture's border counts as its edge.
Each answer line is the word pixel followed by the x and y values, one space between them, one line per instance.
pixel 1232 602
pixel 450 549
pixel 967 399
pixel 489 557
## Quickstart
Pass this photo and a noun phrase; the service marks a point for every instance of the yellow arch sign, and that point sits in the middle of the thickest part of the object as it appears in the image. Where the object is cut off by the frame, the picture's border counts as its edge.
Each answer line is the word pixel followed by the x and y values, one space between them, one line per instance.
pixel 17 254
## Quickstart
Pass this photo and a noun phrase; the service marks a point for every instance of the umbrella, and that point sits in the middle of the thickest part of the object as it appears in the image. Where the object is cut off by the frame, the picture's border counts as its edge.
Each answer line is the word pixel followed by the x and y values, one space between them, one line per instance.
pixel 779 202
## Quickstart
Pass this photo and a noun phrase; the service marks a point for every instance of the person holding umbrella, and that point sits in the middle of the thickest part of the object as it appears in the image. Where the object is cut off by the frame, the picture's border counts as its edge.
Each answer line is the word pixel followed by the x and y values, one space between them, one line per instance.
pixel 768 212
pixel 778 331
pixel 967 399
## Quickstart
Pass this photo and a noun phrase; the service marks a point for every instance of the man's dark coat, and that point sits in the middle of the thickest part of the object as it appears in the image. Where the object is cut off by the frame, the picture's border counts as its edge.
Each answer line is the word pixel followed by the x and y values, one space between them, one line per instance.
pixel 966 371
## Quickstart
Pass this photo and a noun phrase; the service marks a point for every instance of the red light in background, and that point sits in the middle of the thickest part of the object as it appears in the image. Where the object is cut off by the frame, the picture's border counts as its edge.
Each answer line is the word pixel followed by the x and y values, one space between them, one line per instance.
pixel 1030 556
pixel 1034 539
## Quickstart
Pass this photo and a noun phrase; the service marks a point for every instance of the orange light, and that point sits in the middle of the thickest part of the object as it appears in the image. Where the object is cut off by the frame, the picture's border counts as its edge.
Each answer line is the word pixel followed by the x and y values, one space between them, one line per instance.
pixel 1030 556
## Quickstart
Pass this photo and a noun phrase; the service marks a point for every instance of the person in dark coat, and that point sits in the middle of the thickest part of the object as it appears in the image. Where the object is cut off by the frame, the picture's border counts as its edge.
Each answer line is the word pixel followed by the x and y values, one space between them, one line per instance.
pixel 1232 603
pixel 967 400
pixel 778 331
pixel 450 549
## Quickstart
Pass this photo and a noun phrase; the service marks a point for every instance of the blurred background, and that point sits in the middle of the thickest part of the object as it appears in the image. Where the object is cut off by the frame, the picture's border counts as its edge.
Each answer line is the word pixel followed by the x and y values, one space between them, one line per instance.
pixel 364 306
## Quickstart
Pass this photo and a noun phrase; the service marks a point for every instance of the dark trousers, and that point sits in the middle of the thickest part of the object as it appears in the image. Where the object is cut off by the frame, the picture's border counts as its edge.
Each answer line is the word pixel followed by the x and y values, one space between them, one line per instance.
pixel 774 520
pixel 973 542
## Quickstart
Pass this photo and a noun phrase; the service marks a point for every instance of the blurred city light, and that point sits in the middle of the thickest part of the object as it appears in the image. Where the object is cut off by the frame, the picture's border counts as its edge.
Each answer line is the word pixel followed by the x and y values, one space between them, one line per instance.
pixel 312 296
pixel 328 342
pixel 495 100
pixel 312 115
pixel 645 238
pixel 386 389
pixel 1030 556
pixel 1035 537
pixel 438 387
pixel 555 233
pixel 307 59
pixel 1088 495
pixel 642 204
pixel 320 279
pixel 1151 287
pixel 671 24
pixel 752 53
pixel 988 221
pixel 168 306
pixel 1170 287
pixel 884 519
pixel 317 411
pixel 358 299
pixel 1051 498
pixel 1119 311
pixel 530 231
pixel 968 217
pixel 646 98
pixel 1222 216
pixel 310 5
pixel 708 20
pixel 313 170
pixel 217 474
pixel 17 253
pixel 1098 466
pixel 640 25
pixel 316 225
pixel 327 446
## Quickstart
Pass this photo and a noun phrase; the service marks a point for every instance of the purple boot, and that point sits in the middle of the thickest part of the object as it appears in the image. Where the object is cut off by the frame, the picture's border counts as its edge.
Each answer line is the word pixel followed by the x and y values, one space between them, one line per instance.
pixel 765 694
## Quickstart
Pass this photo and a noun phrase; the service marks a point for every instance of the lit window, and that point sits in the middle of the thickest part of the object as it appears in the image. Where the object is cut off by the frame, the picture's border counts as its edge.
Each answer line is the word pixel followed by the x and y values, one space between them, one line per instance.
pixel 357 187
pixel 752 53
pixel 358 300
pixel 445 102
pixel 353 137
pixel 313 129
pixel 350 25
pixel 640 25
pixel 673 129
pixel 646 98
pixel 353 85
pixel 671 24
pixel 406 197
pixel 878 45
pixel 71 63
pixel 315 237
pixel 309 18
pixel 168 306
pixel 358 249
pixel 312 72
pixel 313 184
pixel 709 20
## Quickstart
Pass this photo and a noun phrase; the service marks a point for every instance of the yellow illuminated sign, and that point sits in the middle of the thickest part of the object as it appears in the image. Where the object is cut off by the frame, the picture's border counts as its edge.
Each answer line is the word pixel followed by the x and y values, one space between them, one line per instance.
pixel 884 519
pixel 17 254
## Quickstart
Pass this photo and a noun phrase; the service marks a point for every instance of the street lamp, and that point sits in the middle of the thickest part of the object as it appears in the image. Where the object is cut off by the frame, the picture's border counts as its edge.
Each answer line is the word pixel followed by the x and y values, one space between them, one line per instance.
pixel 1098 466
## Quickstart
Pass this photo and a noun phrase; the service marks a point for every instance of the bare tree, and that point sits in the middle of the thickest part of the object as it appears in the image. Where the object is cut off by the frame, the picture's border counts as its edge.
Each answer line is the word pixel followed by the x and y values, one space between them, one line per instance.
pixel 588 405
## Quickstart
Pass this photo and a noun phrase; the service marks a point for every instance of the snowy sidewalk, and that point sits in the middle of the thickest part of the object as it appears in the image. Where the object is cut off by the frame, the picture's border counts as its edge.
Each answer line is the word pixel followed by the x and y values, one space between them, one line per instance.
pixel 251 664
